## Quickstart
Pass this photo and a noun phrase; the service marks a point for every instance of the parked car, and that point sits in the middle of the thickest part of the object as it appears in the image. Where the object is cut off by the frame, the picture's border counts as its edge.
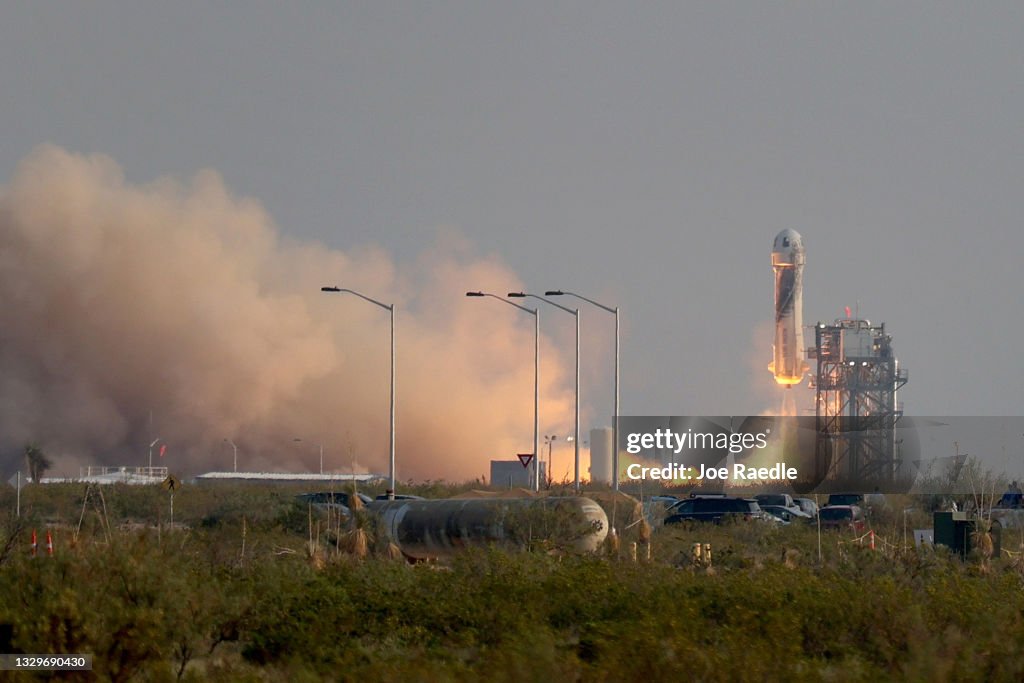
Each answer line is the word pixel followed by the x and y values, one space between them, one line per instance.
pixel 780 499
pixel 842 517
pixel 1011 500
pixel 777 515
pixel 335 501
pixel 845 499
pixel 807 505
pixel 713 509
pixel 786 514
pixel 331 498
pixel 399 496
pixel 783 499
pixel 1008 513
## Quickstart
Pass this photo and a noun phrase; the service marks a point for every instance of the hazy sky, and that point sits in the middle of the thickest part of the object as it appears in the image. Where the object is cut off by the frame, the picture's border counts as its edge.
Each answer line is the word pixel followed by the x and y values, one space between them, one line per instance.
pixel 643 155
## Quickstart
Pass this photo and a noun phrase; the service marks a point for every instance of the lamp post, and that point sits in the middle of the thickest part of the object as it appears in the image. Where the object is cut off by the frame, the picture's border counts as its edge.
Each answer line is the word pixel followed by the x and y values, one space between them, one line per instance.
pixel 235 462
pixel 536 379
pixel 576 313
pixel 549 441
pixel 391 448
pixel 153 443
pixel 615 423
pixel 297 439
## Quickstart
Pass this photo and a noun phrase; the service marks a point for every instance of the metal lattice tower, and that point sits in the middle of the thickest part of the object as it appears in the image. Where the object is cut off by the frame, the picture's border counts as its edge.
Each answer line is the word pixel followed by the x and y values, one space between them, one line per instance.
pixel 856 408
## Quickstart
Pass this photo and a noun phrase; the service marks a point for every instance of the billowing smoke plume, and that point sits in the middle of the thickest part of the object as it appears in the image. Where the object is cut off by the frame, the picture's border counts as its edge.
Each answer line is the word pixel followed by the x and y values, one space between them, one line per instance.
pixel 131 313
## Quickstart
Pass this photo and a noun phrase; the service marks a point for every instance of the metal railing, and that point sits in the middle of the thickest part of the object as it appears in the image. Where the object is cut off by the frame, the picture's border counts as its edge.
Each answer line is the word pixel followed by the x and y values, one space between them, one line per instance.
pixel 103 470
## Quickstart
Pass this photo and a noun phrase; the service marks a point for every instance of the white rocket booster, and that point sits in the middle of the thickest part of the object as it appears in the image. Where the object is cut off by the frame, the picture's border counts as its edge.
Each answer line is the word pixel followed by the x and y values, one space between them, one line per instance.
pixel 788 362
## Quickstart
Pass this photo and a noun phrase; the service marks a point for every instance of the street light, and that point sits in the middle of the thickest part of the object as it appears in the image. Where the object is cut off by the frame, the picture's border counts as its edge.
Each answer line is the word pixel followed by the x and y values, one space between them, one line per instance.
pixel 615 424
pixel 549 441
pixel 155 442
pixel 536 379
pixel 236 453
pixel 391 447
pixel 575 312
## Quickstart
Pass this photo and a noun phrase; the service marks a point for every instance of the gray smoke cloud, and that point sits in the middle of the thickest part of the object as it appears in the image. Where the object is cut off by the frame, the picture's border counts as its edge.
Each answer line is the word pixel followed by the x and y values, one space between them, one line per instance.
pixel 175 310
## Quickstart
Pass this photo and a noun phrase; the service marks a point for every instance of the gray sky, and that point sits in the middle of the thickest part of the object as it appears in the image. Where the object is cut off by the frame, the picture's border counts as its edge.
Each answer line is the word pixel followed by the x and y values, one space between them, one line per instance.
pixel 643 155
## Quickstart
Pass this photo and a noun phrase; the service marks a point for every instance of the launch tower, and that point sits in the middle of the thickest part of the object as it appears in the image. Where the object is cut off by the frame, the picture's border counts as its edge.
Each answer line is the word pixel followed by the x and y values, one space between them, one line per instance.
pixel 856 407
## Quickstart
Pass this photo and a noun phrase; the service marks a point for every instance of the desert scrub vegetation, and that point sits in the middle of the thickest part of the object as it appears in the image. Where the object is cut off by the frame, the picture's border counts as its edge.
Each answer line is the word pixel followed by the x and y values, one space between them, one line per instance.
pixel 241 593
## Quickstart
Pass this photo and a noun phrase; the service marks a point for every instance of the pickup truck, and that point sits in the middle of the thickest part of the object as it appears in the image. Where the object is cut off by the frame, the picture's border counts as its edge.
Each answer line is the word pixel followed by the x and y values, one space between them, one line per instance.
pixel 1009 511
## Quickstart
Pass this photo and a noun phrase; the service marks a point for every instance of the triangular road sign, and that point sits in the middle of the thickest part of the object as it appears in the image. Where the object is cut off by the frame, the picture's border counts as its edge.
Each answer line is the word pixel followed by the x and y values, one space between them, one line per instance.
pixel 525 458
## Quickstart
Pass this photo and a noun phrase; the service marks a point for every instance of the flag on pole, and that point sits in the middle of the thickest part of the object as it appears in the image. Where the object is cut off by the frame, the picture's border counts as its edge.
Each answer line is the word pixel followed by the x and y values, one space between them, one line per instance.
pixel 163 449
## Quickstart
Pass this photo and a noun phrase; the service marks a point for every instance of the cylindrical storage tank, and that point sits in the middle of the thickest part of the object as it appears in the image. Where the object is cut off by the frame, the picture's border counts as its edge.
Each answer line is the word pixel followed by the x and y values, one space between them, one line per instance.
pixel 426 529
pixel 601 455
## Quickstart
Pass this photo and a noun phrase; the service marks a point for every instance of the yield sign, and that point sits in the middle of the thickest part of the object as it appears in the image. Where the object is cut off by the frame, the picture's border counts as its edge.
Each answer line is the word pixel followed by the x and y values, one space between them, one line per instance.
pixel 525 458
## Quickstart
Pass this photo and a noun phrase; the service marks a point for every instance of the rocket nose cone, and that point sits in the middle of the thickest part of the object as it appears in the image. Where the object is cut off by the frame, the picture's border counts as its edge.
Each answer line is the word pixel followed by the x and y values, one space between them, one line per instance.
pixel 788 241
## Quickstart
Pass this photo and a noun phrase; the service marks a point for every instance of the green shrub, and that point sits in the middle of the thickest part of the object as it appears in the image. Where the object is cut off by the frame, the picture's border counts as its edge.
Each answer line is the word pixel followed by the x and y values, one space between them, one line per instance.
pixel 239 599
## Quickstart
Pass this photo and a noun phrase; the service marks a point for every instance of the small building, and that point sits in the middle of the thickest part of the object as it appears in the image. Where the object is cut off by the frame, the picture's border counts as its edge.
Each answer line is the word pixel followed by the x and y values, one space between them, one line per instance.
pixel 119 474
pixel 288 477
pixel 512 474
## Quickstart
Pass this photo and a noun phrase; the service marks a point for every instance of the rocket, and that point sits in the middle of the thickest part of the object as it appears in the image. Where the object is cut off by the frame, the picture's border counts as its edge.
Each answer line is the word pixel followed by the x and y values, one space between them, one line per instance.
pixel 788 364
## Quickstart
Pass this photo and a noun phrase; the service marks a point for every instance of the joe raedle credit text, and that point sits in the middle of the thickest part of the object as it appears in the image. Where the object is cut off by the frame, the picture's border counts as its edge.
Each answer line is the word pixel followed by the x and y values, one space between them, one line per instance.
pixel 676 443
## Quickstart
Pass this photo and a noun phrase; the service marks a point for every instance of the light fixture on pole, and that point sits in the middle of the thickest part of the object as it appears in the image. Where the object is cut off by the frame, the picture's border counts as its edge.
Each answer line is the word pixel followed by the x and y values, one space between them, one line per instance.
pixel 536 379
pixel 576 429
pixel 391 448
pixel 549 441
pixel 154 442
pixel 235 462
pixel 615 408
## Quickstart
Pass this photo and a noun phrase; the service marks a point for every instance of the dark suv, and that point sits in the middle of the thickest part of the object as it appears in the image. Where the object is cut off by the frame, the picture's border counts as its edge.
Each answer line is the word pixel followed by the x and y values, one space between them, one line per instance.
pixel 713 509
pixel 842 517
pixel 845 499
pixel 331 499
